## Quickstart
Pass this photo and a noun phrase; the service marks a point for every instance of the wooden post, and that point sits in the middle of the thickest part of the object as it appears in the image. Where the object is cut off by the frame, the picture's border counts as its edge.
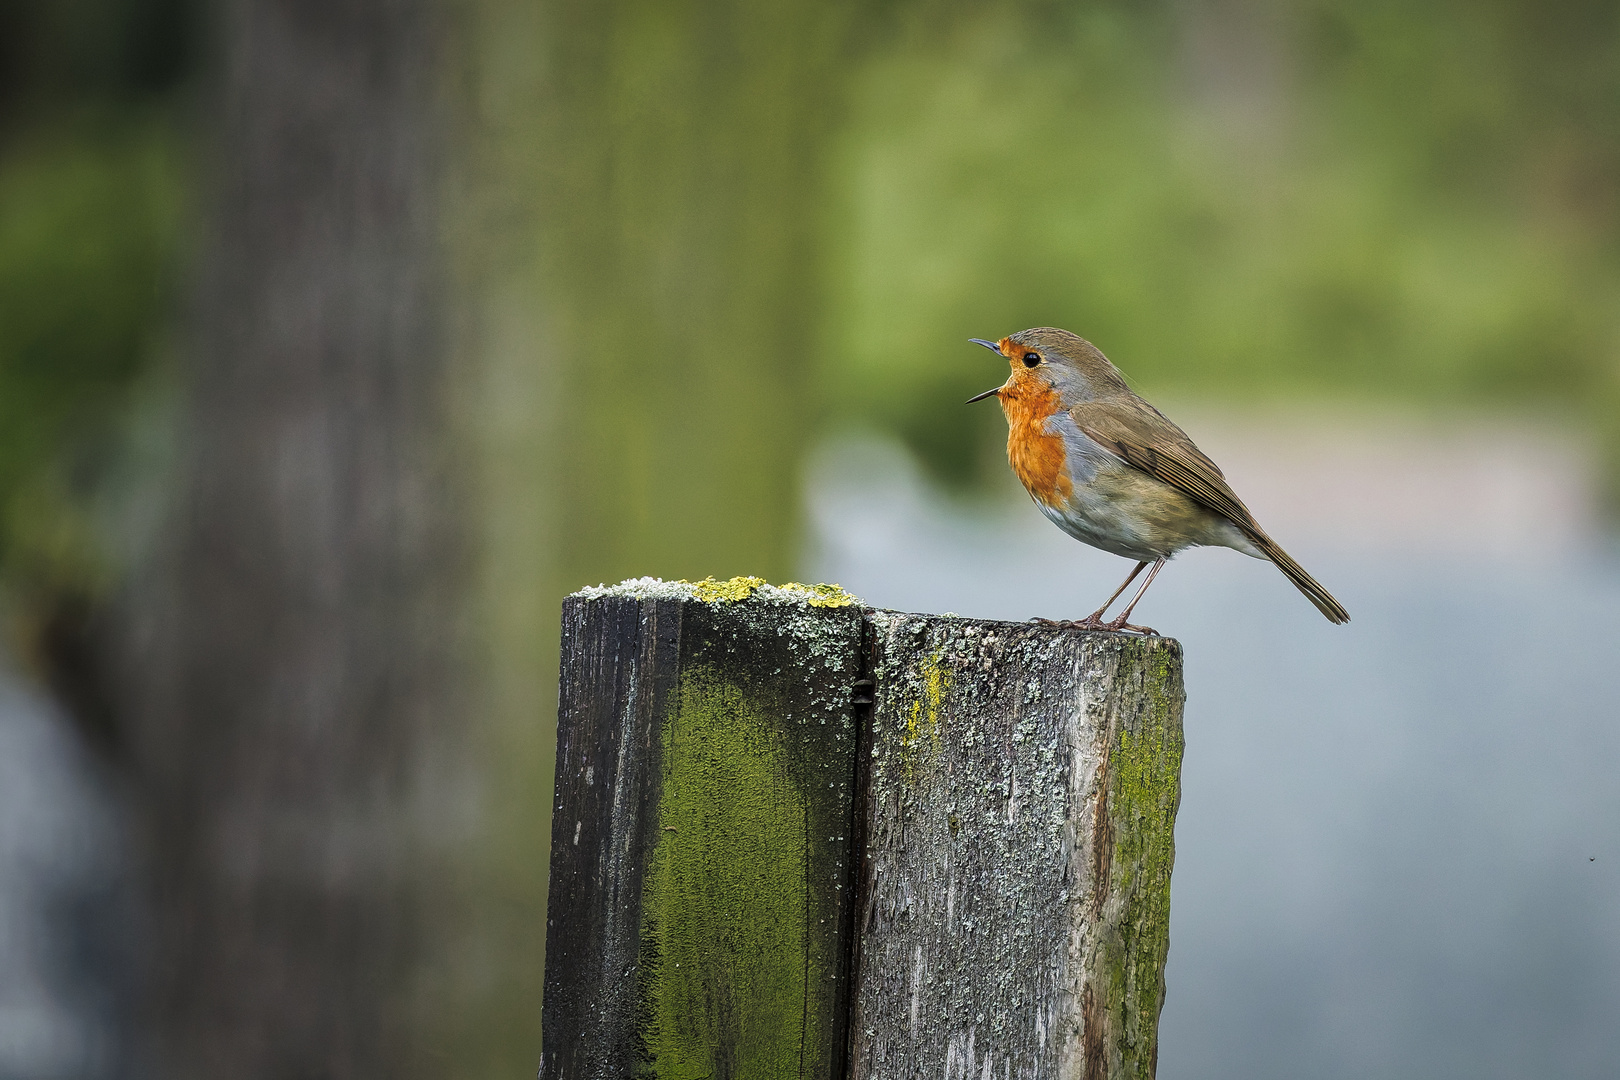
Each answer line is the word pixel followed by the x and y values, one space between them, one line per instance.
pixel 1022 796
pixel 797 838
pixel 701 911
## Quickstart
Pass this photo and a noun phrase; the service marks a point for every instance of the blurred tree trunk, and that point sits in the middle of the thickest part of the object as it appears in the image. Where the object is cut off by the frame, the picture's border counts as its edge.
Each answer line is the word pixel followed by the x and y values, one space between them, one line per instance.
pixel 631 275
pixel 297 649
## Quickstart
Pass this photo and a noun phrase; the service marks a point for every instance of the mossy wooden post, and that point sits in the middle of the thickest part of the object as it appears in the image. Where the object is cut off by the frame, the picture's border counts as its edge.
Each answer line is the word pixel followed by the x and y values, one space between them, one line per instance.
pixel 1020 804
pixel 700 916
pixel 797 838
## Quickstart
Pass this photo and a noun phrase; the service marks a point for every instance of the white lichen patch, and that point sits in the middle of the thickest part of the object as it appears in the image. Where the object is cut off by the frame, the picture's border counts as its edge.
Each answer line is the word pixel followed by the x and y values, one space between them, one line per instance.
pixel 644 588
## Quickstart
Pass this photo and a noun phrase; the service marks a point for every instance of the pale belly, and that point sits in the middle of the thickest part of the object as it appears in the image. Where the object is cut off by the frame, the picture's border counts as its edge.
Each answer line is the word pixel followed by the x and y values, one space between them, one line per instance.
pixel 1127 512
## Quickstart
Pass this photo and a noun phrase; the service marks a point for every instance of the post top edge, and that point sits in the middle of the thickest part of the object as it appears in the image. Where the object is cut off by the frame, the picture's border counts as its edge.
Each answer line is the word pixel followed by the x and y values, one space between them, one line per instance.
pixel 738 589
pixel 712 591
pixel 886 618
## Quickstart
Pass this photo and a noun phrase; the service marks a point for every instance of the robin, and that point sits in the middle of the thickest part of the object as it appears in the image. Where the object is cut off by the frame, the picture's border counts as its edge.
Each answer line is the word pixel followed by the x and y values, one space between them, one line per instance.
pixel 1108 468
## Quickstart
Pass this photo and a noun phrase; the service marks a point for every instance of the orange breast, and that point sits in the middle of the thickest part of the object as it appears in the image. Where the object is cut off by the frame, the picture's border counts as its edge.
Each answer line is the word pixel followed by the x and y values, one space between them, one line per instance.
pixel 1036 457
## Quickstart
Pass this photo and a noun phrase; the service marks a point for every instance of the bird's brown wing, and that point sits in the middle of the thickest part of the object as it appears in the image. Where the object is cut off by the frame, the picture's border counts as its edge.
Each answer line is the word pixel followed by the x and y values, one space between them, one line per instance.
pixel 1140 434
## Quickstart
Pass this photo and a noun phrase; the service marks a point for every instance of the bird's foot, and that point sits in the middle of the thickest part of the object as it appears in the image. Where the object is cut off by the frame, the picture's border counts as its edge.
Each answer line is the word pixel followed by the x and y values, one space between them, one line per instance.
pixel 1120 626
pixel 1090 622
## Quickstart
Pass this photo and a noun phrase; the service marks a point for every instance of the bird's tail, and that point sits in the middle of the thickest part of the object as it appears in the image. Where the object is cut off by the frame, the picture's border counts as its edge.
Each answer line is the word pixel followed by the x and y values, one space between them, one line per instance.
pixel 1302 581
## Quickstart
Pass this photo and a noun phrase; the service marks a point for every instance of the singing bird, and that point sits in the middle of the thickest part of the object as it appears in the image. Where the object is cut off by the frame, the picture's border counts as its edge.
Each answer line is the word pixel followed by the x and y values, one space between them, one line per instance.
pixel 1111 471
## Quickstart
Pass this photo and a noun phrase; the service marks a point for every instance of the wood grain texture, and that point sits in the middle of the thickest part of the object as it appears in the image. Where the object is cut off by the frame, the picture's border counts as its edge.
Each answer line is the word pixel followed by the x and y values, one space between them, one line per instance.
pixel 701 913
pixel 1020 810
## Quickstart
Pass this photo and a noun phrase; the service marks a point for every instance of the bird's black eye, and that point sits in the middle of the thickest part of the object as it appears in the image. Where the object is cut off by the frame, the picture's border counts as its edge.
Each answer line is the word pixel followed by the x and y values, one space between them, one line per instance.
pixel 1031 359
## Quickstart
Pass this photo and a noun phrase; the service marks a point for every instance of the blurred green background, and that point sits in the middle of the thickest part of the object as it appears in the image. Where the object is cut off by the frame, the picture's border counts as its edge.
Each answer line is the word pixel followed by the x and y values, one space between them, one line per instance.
pixel 1411 203
pixel 684 241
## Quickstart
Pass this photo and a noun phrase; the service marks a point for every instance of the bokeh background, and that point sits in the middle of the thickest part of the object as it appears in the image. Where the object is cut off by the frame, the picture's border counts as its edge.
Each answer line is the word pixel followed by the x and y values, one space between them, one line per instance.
pixel 339 339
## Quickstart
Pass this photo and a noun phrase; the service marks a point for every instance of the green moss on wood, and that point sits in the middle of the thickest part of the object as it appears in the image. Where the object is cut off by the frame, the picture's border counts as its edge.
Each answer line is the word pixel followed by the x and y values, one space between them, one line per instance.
pixel 729 962
pixel 1145 778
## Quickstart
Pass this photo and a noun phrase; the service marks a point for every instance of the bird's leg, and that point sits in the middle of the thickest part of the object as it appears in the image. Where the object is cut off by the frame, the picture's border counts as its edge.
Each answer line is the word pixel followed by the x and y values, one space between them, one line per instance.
pixel 1094 620
pixel 1122 623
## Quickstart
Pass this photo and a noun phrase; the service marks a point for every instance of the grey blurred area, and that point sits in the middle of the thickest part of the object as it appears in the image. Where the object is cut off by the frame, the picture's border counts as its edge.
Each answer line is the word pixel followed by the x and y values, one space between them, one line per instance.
pixel 67 906
pixel 1398 849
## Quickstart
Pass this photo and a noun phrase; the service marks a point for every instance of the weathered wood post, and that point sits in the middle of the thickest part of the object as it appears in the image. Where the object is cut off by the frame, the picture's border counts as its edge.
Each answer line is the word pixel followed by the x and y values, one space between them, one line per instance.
pixel 700 915
pixel 794 837
pixel 1020 807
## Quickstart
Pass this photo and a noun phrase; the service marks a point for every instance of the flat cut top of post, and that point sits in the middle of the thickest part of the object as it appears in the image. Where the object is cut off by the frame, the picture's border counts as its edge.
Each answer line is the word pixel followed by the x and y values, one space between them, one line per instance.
pixel 711 591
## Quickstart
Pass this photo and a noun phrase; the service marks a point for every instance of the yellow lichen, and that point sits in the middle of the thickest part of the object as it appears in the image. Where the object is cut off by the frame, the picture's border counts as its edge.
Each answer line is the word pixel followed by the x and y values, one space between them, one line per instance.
pixel 822 595
pixel 711 591
pixel 738 588
pixel 923 717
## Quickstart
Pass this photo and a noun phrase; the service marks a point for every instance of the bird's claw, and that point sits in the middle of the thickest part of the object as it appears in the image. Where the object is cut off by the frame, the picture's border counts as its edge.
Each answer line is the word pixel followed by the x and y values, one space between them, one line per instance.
pixel 1090 622
pixel 1120 626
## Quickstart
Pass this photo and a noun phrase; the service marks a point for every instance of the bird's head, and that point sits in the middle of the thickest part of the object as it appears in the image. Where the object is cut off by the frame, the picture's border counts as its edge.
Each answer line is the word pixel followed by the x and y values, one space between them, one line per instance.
pixel 1045 359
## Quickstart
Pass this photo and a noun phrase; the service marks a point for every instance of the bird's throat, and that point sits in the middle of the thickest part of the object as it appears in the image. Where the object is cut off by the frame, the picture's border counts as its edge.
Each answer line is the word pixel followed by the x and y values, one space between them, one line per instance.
pixel 1037 456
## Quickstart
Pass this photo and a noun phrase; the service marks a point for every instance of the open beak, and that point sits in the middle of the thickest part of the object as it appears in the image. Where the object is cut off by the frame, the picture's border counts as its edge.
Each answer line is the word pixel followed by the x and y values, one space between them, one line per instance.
pixel 993 347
